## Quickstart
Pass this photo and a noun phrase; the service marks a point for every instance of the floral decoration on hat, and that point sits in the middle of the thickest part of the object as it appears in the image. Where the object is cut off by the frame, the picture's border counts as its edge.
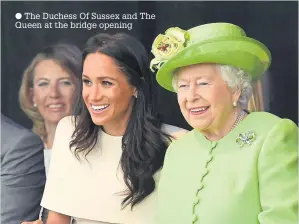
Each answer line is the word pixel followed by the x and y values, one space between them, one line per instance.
pixel 167 45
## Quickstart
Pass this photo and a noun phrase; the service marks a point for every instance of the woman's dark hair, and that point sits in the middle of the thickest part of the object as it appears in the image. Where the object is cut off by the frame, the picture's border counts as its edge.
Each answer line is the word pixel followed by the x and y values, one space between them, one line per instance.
pixel 144 143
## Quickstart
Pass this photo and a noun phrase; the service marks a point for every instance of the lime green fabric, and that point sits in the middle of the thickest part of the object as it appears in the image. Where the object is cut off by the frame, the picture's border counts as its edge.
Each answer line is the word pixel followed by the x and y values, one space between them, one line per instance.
pixel 221 43
pixel 205 182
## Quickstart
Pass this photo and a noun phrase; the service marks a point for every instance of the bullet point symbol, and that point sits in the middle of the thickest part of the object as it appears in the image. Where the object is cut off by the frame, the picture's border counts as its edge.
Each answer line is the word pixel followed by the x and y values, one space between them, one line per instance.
pixel 18 15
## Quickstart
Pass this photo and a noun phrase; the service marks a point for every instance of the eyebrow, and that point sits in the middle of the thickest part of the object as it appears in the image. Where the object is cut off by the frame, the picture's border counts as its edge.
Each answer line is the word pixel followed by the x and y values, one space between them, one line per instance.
pixel 45 79
pixel 188 80
pixel 197 78
pixel 100 78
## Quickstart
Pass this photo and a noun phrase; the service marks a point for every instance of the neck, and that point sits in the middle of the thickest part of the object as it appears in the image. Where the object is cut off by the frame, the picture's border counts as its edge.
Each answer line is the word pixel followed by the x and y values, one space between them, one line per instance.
pixel 115 130
pixel 218 133
pixel 117 127
pixel 50 129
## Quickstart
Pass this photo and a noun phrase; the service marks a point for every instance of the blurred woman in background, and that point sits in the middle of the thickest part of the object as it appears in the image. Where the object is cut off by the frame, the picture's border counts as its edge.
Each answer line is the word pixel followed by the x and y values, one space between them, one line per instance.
pixel 48 90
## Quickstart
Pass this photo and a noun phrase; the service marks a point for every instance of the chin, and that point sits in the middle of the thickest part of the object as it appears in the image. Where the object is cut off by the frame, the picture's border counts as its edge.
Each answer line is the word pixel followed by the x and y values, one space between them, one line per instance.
pixel 56 118
pixel 53 121
pixel 98 122
pixel 198 126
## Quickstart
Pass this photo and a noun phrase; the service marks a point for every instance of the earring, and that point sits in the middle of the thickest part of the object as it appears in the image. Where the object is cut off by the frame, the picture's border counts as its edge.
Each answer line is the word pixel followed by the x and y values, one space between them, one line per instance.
pixel 35 105
pixel 234 103
pixel 136 95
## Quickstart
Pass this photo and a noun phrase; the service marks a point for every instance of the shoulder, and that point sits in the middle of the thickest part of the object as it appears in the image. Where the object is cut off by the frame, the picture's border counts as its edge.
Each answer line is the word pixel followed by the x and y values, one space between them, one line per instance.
pixel 14 137
pixel 67 122
pixel 179 146
pixel 21 151
pixel 10 128
pixel 64 132
pixel 264 118
pixel 274 134
pixel 185 137
pixel 284 129
pixel 175 132
pixel 63 136
pixel 266 122
pixel 66 126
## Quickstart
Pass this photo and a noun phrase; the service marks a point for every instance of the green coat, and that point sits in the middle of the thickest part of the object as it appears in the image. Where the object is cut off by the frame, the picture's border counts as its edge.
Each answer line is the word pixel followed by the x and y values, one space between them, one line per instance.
pixel 221 182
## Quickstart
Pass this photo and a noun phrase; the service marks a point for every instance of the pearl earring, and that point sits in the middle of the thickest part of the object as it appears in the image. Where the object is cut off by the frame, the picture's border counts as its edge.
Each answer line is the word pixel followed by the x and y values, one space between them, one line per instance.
pixel 234 103
pixel 35 105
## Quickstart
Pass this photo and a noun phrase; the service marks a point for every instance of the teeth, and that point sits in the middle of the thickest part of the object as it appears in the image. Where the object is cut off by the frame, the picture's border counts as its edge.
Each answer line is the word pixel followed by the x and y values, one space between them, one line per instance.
pixel 198 109
pixel 99 107
pixel 55 105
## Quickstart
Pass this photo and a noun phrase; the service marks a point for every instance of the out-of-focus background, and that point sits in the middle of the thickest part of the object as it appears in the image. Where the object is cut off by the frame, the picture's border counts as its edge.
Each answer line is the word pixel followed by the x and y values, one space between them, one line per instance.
pixel 273 23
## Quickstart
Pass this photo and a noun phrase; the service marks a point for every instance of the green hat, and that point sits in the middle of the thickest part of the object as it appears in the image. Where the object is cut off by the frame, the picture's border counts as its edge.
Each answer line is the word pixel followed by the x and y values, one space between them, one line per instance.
pixel 221 43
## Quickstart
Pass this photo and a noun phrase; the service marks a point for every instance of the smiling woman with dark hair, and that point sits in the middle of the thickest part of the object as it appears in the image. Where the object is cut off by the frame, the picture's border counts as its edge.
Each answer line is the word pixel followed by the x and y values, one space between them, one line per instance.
pixel 107 158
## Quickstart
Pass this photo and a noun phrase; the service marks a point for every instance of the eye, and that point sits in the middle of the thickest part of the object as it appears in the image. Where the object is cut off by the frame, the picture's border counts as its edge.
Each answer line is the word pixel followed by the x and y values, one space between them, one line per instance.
pixel 67 83
pixel 106 83
pixel 202 83
pixel 42 84
pixel 183 86
pixel 86 82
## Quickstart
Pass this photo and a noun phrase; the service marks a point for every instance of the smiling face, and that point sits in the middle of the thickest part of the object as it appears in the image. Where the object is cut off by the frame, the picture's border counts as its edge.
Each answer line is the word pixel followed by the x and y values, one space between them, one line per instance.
pixel 52 91
pixel 204 98
pixel 106 92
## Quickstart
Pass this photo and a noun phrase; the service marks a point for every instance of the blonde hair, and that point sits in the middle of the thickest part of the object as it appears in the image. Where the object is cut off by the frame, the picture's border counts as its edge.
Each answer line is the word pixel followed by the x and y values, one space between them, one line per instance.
pixel 69 58
pixel 25 98
pixel 256 102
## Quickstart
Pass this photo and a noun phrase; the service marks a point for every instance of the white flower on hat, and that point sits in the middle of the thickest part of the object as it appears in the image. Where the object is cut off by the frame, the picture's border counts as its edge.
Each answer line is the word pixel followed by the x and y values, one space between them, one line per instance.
pixel 166 46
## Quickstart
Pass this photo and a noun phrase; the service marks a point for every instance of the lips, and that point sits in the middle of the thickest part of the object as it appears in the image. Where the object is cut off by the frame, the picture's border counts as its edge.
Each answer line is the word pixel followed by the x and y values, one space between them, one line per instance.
pixel 99 108
pixel 199 110
pixel 56 107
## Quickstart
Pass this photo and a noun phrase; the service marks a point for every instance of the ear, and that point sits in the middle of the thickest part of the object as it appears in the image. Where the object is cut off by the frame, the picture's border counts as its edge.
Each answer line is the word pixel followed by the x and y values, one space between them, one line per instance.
pixel 135 92
pixel 236 95
pixel 31 95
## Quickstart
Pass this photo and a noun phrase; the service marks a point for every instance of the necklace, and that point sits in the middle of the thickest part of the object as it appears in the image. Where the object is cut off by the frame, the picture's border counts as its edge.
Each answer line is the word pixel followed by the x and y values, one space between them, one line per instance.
pixel 239 119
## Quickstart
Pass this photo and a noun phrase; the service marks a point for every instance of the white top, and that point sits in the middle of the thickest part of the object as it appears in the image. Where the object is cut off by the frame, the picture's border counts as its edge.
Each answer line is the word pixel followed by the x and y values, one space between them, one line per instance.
pixel 43 214
pixel 47 158
pixel 89 191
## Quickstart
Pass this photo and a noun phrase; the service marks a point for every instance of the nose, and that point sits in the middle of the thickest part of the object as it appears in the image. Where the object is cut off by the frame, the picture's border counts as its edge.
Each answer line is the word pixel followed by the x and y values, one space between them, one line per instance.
pixel 54 91
pixel 192 94
pixel 95 93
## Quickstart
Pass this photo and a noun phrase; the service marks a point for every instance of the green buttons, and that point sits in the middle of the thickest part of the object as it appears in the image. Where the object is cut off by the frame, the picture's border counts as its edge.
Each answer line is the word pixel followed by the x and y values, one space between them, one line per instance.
pixel 206 171
pixel 196 201
pixel 210 157
pixel 194 218
pixel 200 187
pixel 214 144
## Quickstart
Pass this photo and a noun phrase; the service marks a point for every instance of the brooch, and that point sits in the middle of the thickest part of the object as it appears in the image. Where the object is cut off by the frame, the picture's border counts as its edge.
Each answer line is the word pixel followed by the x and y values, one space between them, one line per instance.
pixel 246 138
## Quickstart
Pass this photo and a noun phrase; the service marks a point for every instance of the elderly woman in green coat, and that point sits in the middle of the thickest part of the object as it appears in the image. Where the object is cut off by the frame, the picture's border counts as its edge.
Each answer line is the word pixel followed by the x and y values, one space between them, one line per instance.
pixel 234 167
